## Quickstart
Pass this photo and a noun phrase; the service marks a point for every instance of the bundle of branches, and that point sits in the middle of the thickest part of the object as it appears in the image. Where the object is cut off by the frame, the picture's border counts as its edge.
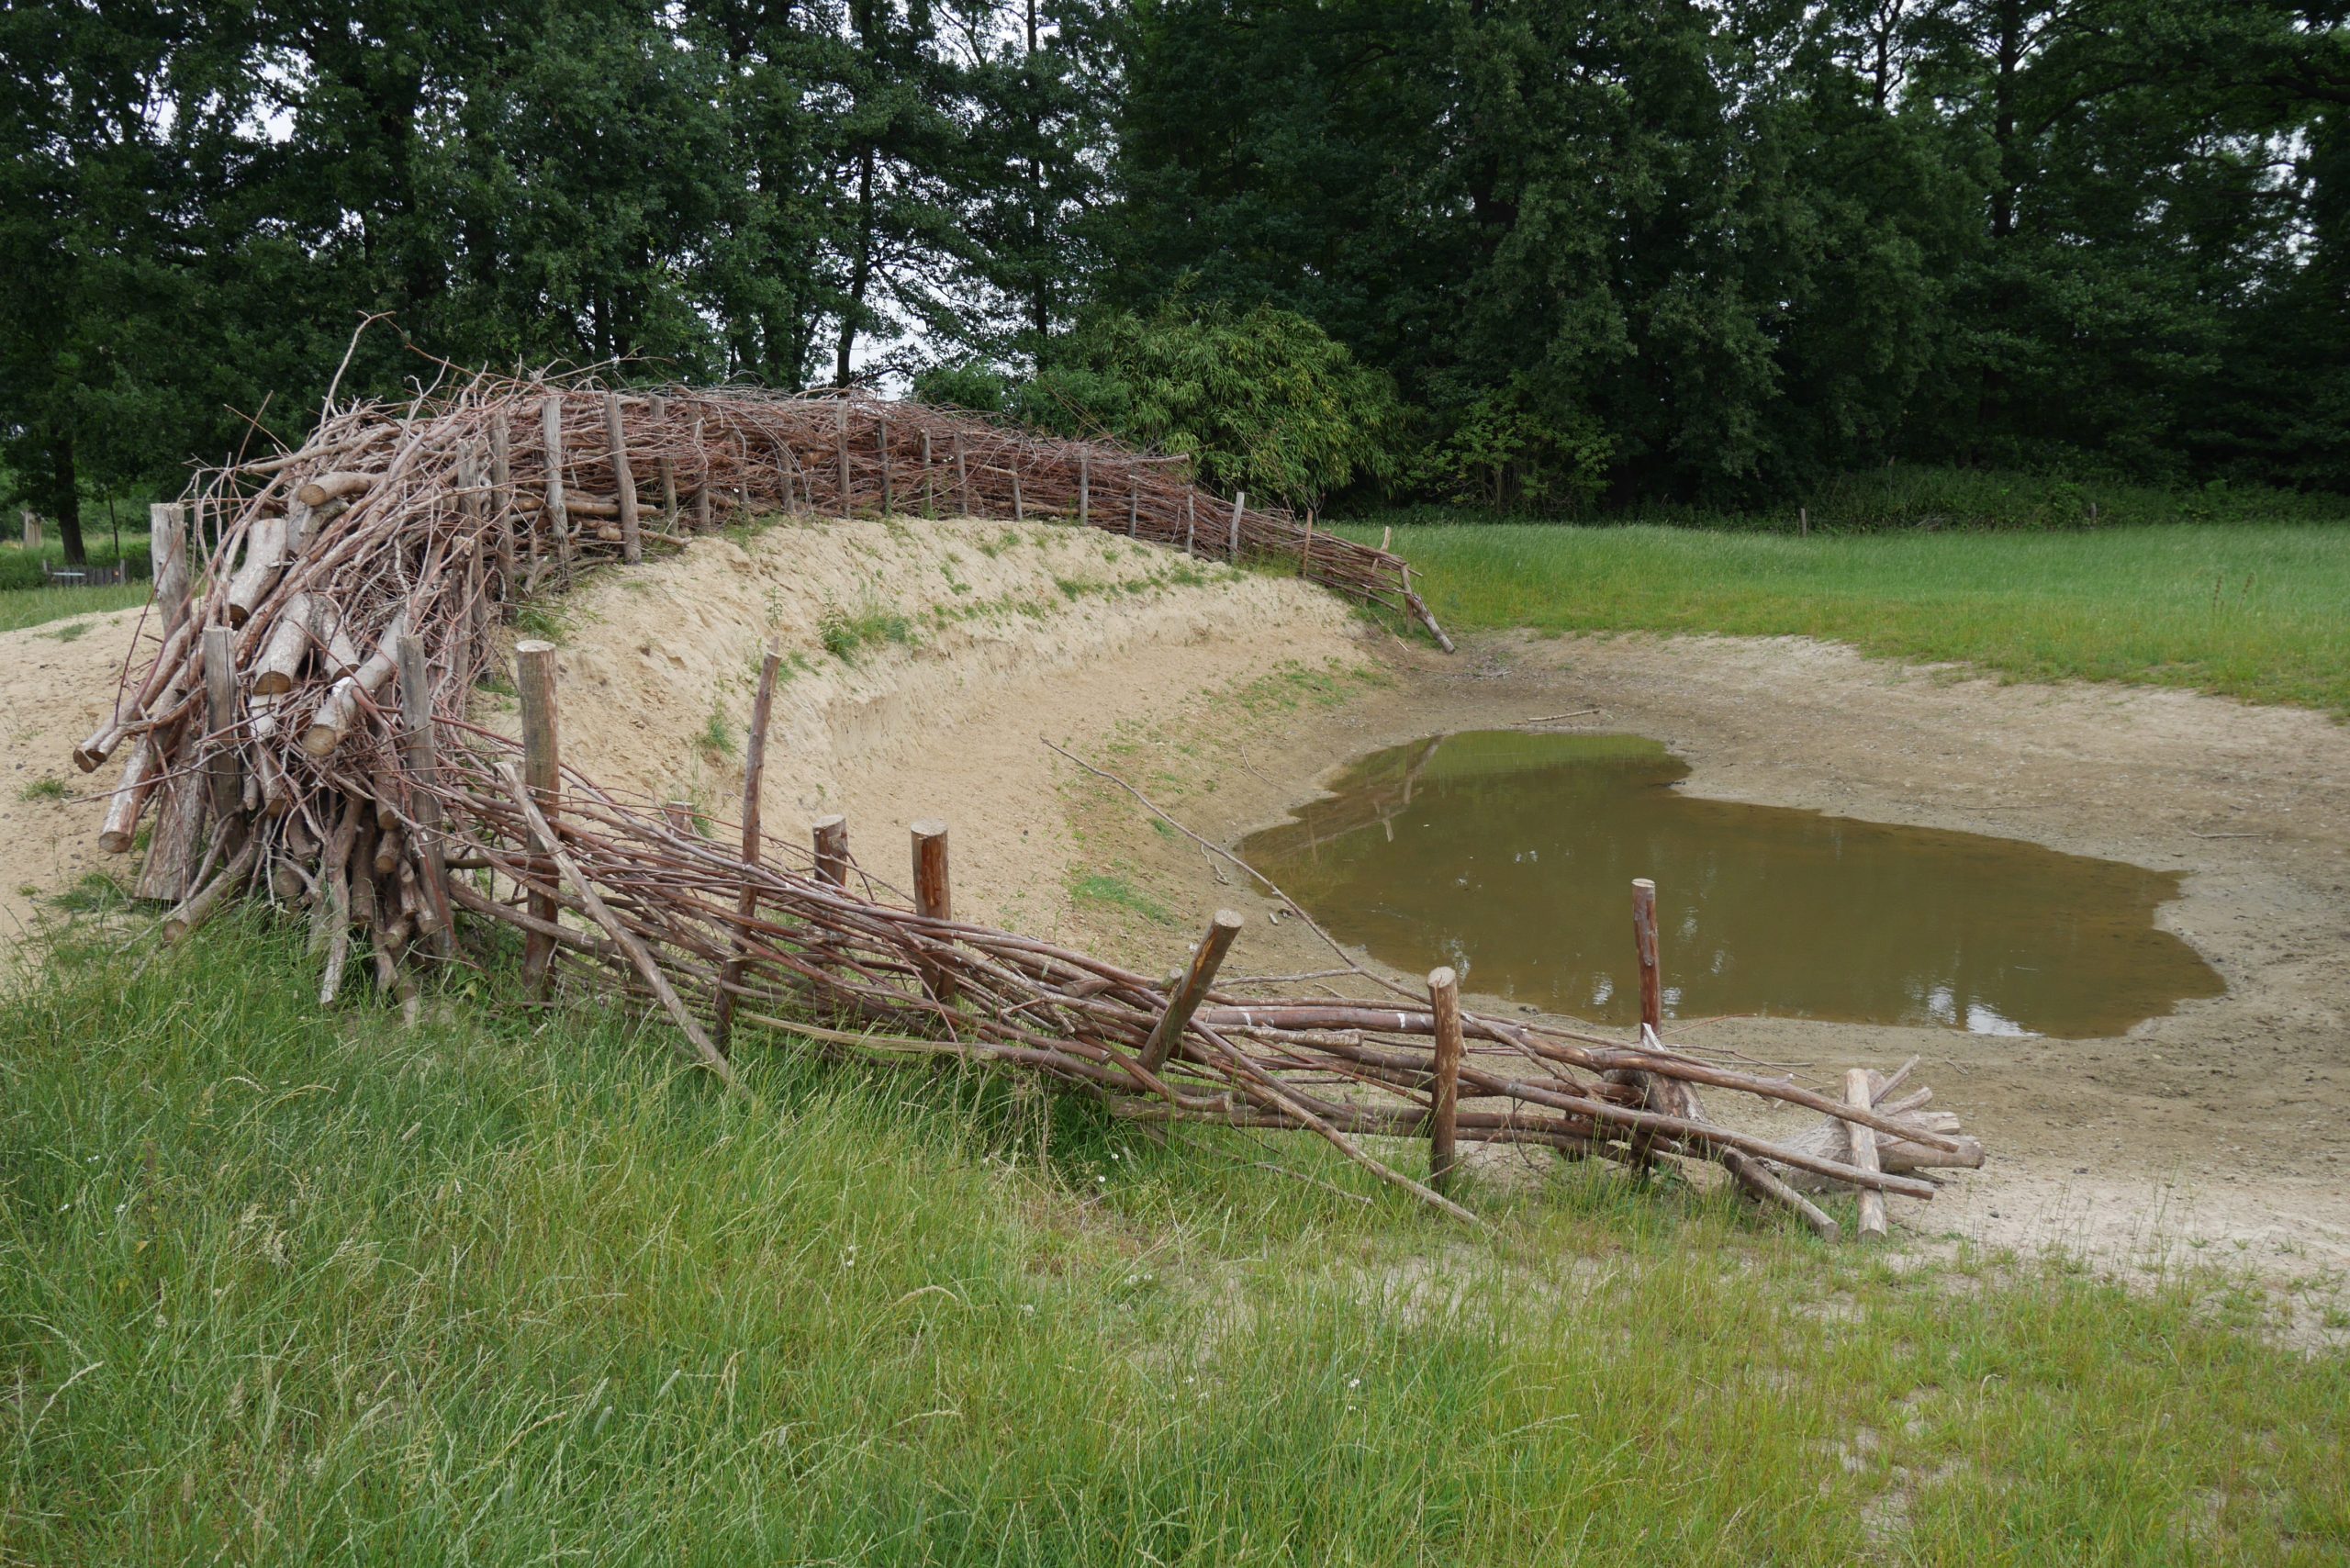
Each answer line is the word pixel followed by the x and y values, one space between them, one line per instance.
pixel 300 729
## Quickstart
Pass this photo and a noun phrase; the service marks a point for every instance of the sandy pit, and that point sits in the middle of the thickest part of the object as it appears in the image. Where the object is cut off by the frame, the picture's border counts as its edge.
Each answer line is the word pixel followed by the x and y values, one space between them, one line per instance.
pixel 927 662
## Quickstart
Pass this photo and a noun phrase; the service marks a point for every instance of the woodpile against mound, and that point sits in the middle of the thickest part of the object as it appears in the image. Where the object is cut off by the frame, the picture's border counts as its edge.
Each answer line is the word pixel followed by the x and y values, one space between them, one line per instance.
pixel 293 726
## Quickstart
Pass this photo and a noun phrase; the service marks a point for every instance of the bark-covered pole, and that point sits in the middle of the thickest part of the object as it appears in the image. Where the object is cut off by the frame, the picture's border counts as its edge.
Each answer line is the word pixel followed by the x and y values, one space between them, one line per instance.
pixel 542 774
pixel 747 902
pixel 1444 1106
pixel 623 481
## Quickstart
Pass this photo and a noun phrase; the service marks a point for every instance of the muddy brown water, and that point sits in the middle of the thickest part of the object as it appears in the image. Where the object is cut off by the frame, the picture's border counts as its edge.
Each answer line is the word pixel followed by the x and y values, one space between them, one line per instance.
pixel 1509 856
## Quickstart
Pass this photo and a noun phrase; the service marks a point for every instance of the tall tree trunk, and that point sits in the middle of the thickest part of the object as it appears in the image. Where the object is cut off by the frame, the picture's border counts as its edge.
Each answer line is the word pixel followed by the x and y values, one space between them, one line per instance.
pixel 860 275
pixel 67 498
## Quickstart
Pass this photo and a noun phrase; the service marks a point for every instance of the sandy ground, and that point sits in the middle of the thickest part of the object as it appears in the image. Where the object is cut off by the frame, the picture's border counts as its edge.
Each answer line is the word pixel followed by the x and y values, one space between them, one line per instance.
pixel 56 684
pixel 2215 1132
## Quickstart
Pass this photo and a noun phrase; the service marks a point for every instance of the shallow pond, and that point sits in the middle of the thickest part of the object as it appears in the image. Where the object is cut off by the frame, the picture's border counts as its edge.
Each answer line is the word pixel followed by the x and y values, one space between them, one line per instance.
pixel 1510 855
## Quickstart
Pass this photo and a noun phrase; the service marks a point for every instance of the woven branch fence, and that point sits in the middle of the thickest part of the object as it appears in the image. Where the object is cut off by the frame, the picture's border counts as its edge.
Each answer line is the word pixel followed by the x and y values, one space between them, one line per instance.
pixel 293 723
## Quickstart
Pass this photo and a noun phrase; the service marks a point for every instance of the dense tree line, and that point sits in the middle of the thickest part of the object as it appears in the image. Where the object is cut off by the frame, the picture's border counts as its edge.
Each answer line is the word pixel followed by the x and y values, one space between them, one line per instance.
pixel 1569 255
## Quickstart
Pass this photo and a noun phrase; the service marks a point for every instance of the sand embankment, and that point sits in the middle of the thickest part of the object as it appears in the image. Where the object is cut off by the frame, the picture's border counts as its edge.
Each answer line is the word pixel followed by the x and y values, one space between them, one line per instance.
pixel 924 662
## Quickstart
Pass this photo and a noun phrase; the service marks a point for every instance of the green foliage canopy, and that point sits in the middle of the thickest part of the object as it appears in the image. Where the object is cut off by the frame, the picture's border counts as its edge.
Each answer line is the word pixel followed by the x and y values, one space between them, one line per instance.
pixel 1260 400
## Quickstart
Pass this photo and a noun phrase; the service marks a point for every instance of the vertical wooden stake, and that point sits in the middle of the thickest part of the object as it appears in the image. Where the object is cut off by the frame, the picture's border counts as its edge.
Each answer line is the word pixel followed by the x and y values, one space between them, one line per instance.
pixel 747 902
pixel 1803 523
pixel 225 772
pixel 840 440
pixel 32 531
pixel 623 481
pixel 665 467
pixel 1168 1033
pixel 1190 525
pixel 962 478
pixel 419 754
pixel 1019 512
pixel 1084 485
pixel 881 443
pixel 831 849
pixel 552 509
pixel 1644 946
pixel 1862 1141
pixel 1239 505
pixel 542 774
pixel 1134 503
pixel 167 551
pixel 1444 1110
pixel 932 896
pixel 929 481
pixel 1305 552
pixel 1386 539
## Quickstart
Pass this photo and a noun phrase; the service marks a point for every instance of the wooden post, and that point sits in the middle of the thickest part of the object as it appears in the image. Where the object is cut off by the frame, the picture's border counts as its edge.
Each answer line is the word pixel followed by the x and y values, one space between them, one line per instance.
pixel 1305 551
pixel 1803 523
pixel 542 774
pixel 167 552
pixel 1444 1109
pixel 1239 505
pixel 419 754
pixel 1862 1141
pixel 1134 503
pixel 840 440
pixel 1191 523
pixel 1644 946
pixel 929 481
pixel 1019 512
pixel 33 531
pixel 225 771
pixel 932 896
pixel 746 902
pixel 881 443
pixel 623 481
pixel 1084 485
pixel 1168 1033
pixel 831 849
pixel 665 466
pixel 1386 539
pixel 551 510
pixel 962 478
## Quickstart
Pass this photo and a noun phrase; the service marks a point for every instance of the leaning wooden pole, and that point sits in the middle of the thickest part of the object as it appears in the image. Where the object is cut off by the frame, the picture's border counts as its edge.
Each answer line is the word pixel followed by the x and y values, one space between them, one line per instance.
pixel 1198 976
pixel 541 771
pixel 747 902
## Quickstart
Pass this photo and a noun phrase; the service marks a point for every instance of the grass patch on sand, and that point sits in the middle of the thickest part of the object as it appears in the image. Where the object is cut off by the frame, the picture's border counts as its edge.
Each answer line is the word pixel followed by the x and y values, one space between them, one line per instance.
pixel 2250 610
pixel 281 1284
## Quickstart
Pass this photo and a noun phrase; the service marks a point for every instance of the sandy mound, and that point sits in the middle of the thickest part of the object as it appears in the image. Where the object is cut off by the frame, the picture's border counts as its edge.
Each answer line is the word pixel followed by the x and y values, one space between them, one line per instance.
pixel 923 661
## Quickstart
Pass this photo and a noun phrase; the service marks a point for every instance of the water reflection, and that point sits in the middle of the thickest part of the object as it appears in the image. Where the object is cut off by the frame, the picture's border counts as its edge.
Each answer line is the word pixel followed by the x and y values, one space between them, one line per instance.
pixel 1509 856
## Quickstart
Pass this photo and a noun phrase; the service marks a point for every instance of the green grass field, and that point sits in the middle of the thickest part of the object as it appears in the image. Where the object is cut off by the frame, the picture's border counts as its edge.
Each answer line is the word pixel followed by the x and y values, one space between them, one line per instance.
pixel 2250 610
pixel 281 1284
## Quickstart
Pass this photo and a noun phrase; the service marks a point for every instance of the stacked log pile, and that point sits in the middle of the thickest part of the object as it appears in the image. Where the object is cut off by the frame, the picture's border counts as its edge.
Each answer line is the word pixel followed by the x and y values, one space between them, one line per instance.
pixel 298 732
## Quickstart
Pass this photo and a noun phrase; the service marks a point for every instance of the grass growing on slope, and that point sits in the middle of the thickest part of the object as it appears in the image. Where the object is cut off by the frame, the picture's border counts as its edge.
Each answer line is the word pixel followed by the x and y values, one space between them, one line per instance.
pixel 281 1284
pixel 2261 612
